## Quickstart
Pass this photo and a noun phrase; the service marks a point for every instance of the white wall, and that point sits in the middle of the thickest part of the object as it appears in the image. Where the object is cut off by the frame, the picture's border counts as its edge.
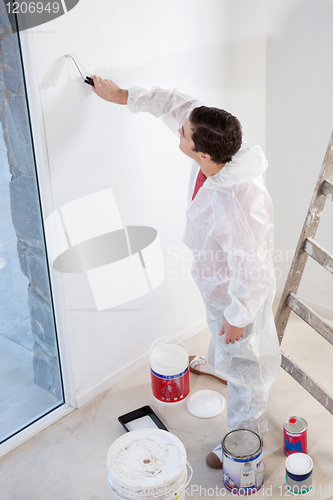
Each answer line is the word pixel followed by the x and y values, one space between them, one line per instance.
pixel 214 50
pixel 299 124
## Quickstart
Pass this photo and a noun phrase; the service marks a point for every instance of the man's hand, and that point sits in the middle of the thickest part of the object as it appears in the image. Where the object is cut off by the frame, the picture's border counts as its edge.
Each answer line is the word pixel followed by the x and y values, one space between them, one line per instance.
pixel 231 333
pixel 109 91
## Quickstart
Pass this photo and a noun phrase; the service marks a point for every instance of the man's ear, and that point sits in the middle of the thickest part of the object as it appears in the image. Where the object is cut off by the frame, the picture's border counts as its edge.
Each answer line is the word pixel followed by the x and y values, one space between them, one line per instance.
pixel 204 156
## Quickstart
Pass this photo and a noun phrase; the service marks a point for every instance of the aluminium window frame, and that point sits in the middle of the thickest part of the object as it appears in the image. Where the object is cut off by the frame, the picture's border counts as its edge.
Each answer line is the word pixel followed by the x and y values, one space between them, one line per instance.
pixel 39 145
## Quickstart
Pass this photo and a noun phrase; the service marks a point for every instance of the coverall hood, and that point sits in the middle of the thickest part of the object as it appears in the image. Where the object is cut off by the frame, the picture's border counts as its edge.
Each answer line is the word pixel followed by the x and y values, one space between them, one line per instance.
pixel 248 163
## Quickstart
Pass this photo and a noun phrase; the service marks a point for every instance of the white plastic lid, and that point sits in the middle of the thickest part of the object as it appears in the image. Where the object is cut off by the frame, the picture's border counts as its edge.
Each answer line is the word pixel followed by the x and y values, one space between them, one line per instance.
pixel 169 359
pixel 206 403
pixel 299 464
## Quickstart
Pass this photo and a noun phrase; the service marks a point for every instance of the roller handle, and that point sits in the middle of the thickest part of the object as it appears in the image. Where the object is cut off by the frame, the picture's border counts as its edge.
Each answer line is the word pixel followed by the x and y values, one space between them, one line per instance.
pixel 89 81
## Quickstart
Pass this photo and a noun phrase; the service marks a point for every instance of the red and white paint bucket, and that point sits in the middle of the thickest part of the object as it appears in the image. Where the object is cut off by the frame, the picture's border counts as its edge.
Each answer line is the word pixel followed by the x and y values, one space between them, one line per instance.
pixel 295 435
pixel 169 368
pixel 243 466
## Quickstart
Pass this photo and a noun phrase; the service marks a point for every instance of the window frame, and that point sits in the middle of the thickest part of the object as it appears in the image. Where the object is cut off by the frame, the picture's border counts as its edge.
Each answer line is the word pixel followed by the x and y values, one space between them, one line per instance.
pixel 39 145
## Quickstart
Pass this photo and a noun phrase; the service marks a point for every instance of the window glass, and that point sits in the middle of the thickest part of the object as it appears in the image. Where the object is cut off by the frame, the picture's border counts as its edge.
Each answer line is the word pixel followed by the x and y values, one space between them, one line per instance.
pixel 30 374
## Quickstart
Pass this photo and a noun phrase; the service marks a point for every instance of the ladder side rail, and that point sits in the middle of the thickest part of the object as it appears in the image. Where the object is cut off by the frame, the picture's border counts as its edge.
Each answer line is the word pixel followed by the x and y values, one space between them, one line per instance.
pixel 327 189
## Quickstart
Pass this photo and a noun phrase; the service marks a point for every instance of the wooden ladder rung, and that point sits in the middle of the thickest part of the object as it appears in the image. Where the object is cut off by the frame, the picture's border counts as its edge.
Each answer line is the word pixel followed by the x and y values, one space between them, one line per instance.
pixel 310 317
pixel 314 250
pixel 327 189
pixel 305 380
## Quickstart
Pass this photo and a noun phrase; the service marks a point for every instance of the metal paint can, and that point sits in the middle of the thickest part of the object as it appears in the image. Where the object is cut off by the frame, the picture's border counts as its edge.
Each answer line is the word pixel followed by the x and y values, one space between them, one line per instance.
pixel 243 467
pixel 295 435
pixel 299 467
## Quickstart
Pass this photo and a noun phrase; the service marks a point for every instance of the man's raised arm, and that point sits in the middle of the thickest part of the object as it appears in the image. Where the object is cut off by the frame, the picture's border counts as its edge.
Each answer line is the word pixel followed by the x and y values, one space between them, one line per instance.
pixel 173 106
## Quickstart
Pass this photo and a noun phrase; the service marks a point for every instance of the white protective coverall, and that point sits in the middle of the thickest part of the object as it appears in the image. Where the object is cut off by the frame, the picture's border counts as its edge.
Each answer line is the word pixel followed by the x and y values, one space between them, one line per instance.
pixel 229 229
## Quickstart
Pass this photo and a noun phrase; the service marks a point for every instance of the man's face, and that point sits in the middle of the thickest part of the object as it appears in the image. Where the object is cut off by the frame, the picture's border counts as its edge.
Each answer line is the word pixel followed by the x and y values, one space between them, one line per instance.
pixel 186 144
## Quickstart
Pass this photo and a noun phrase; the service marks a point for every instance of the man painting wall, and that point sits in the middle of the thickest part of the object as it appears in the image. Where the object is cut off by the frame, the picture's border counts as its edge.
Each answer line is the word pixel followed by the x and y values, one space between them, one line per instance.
pixel 229 229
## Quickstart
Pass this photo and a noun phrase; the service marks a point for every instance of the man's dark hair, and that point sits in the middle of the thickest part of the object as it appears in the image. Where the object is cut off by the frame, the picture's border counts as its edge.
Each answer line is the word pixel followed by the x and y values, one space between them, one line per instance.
pixel 215 132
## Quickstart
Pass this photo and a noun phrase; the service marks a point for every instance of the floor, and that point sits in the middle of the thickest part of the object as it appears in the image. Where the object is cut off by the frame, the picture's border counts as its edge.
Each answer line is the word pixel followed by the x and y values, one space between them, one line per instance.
pixel 67 460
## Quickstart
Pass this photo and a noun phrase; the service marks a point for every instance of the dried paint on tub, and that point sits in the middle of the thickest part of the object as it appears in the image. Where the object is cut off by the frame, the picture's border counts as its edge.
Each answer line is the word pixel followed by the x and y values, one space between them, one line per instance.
pixel 147 463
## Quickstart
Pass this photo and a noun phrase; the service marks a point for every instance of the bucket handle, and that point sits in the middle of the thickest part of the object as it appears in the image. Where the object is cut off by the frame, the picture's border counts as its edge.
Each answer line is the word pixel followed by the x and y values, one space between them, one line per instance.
pixel 191 473
pixel 163 338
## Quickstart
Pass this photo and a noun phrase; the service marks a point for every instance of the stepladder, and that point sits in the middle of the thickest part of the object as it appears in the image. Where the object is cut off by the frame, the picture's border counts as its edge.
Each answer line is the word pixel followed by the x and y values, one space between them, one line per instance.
pixel 308 247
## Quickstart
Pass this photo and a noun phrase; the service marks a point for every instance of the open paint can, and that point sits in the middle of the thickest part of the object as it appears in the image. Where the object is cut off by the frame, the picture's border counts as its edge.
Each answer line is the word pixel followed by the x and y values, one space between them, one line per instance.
pixel 243 467
pixel 169 369
pixel 299 467
pixel 147 464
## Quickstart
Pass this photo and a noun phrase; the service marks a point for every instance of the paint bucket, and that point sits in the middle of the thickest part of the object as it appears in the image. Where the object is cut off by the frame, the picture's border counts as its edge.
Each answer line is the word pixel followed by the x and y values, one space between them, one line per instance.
pixel 147 464
pixel 243 467
pixel 169 369
pixel 295 435
pixel 299 467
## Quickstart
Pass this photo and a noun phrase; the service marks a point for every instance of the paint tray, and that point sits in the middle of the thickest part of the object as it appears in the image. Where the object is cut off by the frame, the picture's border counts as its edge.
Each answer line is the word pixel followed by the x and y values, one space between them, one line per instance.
pixel 142 418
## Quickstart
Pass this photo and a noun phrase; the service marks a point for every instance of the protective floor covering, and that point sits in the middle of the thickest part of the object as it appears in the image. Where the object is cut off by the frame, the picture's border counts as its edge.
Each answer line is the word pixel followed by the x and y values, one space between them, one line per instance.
pixel 67 460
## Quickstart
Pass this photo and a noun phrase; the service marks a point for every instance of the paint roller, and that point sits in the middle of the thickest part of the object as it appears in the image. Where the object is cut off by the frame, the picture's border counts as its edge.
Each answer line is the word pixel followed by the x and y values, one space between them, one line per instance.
pixel 54 80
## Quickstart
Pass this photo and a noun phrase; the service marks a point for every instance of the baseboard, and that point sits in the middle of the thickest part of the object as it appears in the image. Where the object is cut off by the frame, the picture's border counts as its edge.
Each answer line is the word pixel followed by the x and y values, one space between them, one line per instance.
pixel 190 332
pixel 132 366
pixel 323 310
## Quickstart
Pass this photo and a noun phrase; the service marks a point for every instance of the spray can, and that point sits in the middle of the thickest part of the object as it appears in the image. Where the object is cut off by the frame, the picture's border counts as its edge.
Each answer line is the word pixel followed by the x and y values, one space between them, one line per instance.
pixel 295 435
